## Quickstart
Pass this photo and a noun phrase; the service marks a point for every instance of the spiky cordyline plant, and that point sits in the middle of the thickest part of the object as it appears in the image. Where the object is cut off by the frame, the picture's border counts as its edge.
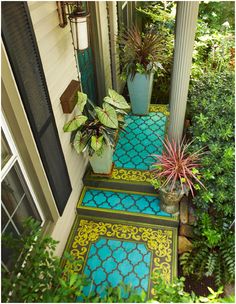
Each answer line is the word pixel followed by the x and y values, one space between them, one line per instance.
pixel 176 166
pixel 140 51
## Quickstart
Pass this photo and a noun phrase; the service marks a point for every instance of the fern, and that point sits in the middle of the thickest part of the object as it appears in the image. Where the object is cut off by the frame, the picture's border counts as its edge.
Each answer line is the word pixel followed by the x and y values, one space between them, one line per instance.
pixel 211 263
pixel 218 274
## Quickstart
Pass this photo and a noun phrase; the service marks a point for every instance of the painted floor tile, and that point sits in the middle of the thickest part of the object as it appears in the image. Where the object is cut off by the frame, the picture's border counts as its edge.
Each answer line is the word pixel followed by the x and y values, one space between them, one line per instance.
pixel 123 201
pixel 114 251
pixel 141 139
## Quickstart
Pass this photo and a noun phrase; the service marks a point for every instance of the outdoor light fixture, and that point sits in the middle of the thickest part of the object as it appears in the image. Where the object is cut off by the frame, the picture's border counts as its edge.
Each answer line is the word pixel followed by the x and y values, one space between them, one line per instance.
pixel 79 17
pixel 79 26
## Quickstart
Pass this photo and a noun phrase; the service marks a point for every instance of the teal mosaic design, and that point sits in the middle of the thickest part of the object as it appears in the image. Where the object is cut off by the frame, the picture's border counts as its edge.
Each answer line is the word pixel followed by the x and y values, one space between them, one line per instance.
pixel 110 262
pixel 122 201
pixel 140 140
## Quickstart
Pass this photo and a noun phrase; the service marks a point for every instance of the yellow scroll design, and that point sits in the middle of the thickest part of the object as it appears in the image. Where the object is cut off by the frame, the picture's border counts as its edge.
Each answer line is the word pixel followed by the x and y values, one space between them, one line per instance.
pixel 158 241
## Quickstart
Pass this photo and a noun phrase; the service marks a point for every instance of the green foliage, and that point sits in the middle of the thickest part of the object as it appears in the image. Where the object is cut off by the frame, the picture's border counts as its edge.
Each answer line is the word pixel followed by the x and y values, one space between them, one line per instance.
pixel 214 40
pixel 211 99
pixel 215 14
pixel 174 293
pixel 93 126
pixel 213 251
pixel 120 294
pixel 37 275
pixel 159 17
pixel 212 102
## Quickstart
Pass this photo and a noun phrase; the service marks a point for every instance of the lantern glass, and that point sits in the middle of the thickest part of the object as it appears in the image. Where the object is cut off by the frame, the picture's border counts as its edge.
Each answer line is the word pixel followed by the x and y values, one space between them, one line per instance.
pixel 79 28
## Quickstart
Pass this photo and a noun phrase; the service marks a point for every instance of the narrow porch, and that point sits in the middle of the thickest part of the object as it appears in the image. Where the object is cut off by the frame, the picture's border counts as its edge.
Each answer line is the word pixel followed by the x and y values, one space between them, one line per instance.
pixel 120 232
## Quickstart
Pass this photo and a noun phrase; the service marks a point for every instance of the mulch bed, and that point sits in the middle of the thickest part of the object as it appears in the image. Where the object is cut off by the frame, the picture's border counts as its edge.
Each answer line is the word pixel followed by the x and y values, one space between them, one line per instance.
pixel 199 287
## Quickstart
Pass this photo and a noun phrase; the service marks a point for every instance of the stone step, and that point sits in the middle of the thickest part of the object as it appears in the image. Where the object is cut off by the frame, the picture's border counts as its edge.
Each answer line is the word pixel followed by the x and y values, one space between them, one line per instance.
pixel 122 204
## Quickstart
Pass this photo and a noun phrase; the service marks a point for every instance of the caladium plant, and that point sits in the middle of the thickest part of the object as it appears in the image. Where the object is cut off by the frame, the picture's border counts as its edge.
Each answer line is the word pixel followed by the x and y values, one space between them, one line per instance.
pixel 93 126
pixel 177 169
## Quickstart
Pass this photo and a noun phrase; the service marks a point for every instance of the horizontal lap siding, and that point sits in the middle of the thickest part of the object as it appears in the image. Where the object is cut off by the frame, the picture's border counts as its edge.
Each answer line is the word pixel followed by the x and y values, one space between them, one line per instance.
pixel 57 55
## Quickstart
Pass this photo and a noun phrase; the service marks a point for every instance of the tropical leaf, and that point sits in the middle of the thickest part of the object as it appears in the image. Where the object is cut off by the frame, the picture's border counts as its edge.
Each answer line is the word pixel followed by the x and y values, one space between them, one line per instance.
pixel 81 101
pixel 116 100
pixel 107 116
pixel 96 142
pixel 75 123
pixel 79 143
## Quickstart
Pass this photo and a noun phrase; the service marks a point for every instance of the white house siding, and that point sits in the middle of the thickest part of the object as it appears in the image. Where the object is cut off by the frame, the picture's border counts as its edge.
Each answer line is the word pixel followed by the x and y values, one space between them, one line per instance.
pixel 57 55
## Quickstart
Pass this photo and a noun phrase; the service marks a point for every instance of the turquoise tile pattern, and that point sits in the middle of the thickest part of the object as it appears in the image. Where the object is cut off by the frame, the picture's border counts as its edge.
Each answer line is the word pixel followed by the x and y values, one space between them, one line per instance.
pixel 110 262
pixel 140 140
pixel 122 201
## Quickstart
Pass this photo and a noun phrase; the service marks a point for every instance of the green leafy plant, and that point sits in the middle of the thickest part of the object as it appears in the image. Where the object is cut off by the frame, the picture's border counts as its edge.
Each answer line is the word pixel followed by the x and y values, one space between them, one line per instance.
pixel 174 293
pixel 122 293
pixel 95 126
pixel 176 169
pixel 212 102
pixel 140 52
pixel 213 251
pixel 37 275
pixel 214 41
pixel 159 17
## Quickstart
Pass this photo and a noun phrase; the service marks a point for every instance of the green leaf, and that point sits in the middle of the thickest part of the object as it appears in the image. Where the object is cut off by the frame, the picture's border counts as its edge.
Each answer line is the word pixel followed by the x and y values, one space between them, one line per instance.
pixel 81 101
pixel 73 279
pixel 75 123
pixel 78 143
pixel 107 116
pixel 96 142
pixel 116 100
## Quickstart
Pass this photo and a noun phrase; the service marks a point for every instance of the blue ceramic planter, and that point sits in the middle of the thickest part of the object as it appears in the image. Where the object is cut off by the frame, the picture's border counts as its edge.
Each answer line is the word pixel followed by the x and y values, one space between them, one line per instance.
pixel 140 92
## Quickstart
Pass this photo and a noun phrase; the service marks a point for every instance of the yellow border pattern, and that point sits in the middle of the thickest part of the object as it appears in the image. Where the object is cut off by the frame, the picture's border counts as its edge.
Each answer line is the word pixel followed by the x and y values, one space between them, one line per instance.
pixel 163 108
pixel 133 175
pixel 158 239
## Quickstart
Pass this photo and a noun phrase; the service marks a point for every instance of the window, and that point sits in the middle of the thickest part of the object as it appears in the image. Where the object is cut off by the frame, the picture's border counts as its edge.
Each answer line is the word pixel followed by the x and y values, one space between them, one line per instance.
pixel 126 14
pixel 18 200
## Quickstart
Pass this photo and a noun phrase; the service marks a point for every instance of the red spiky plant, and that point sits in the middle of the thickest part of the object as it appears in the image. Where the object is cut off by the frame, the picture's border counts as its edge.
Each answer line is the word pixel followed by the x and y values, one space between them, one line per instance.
pixel 177 167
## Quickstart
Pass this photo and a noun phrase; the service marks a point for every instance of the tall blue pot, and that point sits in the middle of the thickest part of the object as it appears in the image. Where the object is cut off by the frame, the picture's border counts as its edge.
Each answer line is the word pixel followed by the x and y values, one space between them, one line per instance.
pixel 140 92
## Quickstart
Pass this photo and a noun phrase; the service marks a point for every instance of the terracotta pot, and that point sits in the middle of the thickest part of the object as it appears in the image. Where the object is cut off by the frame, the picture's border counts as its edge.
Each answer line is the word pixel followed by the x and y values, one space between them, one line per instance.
pixel 169 201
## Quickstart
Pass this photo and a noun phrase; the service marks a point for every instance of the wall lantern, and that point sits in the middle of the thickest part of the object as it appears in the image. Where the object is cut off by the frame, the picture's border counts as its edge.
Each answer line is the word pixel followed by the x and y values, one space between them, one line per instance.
pixel 78 16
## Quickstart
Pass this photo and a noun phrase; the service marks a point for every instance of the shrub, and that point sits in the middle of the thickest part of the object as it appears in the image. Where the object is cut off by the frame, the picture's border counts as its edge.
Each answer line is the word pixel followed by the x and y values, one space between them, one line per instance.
pixel 212 102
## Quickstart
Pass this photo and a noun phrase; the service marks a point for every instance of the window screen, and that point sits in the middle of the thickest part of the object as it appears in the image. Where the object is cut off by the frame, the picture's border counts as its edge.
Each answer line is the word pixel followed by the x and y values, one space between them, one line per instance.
pixel 23 53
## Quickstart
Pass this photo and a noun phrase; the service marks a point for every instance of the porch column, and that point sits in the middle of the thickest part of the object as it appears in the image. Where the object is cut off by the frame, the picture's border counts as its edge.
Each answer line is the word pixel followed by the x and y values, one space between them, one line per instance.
pixel 186 21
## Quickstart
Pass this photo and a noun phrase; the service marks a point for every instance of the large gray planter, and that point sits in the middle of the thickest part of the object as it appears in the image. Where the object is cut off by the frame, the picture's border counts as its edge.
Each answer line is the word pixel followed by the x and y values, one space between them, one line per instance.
pixel 102 164
pixel 140 92
pixel 169 201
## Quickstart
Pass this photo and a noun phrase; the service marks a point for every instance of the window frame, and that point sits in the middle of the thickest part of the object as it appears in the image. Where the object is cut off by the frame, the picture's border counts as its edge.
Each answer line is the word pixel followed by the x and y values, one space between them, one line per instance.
pixel 16 159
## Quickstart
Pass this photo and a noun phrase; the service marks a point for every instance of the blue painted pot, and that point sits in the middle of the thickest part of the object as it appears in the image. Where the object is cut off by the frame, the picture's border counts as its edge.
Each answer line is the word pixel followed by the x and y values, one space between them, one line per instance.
pixel 140 92
pixel 102 163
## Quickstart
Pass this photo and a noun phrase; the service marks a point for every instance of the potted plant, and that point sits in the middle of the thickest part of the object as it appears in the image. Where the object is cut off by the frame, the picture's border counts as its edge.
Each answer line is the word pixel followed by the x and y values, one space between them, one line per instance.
pixel 141 56
pixel 175 173
pixel 94 128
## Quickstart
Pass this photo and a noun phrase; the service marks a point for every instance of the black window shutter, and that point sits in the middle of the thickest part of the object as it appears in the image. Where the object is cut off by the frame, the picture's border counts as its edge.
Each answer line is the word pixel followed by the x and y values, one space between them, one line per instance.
pixel 21 46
